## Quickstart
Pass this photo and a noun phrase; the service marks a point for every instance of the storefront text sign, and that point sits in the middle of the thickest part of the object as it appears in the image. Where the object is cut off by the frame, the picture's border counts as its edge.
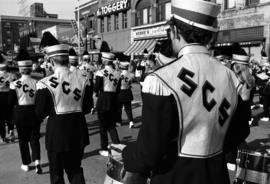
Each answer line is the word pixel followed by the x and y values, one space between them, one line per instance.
pixel 114 7
pixel 151 32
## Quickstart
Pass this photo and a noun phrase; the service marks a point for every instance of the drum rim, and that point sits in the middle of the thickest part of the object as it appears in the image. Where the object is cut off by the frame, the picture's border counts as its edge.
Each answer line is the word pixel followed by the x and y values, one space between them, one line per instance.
pixel 254 153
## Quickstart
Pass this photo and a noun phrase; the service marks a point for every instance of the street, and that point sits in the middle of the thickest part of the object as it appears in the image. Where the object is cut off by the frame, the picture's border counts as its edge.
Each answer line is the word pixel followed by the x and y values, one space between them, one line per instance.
pixel 95 165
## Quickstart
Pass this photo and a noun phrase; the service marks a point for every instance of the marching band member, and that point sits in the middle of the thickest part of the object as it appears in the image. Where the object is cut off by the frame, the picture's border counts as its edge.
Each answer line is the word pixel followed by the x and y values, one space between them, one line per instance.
pixel 47 37
pixel 65 97
pixel 191 110
pixel 38 72
pixel 86 67
pixel 22 100
pixel 47 66
pixel 74 62
pixel 266 89
pixel 106 85
pixel 5 114
pixel 240 66
pixel 125 95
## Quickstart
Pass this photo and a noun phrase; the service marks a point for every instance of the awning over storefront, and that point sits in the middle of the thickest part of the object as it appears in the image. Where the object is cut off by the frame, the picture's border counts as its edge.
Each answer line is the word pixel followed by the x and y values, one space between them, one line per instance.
pixel 244 36
pixel 137 47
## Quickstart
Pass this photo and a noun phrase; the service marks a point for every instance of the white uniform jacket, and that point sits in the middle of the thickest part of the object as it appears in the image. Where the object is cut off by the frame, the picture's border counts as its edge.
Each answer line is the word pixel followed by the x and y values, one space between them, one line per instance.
pixel 206 96
pixel 67 90
pixel 25 88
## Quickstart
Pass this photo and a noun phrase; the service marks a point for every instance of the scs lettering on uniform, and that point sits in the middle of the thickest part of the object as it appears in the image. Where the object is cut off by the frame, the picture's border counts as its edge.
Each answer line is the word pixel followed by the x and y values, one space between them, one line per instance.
pixel 65 88
pixel 190 86
pixel 124 78
pixel 111 77
pixel 25 88
pixel 2 81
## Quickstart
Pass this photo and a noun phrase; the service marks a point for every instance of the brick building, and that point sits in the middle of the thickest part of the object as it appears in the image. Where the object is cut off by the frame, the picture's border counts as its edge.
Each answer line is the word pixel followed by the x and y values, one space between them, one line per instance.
pixel 12 28
pixel 246 22
pixel 114 23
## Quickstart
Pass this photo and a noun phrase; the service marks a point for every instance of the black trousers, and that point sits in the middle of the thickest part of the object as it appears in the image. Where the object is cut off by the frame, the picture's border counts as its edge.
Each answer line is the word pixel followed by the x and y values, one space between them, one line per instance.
pixel 128 109
pixel 29 135
pixel 107 120
pixel 3 129
pixel 266 104
pixel 70 162
pixel 5 115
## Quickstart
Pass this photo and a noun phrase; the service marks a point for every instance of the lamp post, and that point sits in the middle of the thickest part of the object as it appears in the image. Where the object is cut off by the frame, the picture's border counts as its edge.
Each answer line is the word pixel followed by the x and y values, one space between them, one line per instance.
pixel 79 38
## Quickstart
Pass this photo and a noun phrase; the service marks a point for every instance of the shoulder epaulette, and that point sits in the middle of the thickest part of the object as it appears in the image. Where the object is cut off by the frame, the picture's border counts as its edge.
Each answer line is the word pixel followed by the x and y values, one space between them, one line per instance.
pixel 155 86
pixel 41 85
pixel 12 85
pixel 99 73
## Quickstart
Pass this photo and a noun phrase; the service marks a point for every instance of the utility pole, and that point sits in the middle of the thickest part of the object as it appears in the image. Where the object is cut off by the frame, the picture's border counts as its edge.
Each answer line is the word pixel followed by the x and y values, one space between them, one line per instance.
pixel 79 38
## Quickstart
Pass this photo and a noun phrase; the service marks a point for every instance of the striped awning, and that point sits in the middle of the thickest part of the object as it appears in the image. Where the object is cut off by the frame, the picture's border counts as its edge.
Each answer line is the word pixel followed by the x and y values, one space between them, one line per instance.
pixel 137 47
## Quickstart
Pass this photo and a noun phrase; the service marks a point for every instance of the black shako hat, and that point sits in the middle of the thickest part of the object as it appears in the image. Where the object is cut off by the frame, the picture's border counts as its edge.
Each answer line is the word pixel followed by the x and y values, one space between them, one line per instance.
pixel 24 60
pixel 85 55
pixel 48 40
pixel 73 57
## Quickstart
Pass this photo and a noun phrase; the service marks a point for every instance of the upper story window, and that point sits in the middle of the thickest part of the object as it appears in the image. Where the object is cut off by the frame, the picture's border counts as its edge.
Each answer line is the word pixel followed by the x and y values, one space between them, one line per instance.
pixel 143 12
pixel 163 10
pixel 116 21
pixel 91 24
pixel 252 2
pixel 7 24
pixel 124 20
pixel 230 4
pixel 145 15
pixel 109 24
pixel 168 10
pixel 102 25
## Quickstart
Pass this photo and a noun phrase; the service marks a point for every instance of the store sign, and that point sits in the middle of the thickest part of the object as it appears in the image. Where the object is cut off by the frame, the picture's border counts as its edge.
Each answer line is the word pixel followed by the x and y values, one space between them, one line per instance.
pixel 151 32
pixel 117 6
pixel 85 12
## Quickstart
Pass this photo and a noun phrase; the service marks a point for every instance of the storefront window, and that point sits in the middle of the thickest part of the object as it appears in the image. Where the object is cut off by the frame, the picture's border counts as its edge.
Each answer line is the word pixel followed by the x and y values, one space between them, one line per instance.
pixel 124 20
pixel 91 24
pixel 219 2
pixel 138 18
pixel 163 10
pixel 252 2
pixel 109 24
pixel 102 25
pixel 168 11
pixel 145 16
pixel 159 13
pixel 230 4
pixel 143 12
pixel 116 21
pixel 149 15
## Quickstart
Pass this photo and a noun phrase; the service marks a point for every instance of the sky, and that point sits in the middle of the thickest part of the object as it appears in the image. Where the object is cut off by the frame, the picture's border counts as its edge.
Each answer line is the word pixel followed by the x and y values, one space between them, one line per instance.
pixel 64 8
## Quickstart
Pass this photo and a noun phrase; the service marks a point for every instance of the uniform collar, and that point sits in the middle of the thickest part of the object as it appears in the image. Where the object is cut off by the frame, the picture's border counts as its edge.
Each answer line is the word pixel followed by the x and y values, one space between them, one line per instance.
pixel 25 76
pixel 193 49
pixel 61 69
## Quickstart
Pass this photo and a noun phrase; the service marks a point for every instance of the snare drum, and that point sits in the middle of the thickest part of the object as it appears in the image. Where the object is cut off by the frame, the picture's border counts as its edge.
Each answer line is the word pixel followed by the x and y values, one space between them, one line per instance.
pixel 115 167
pixel 252 168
